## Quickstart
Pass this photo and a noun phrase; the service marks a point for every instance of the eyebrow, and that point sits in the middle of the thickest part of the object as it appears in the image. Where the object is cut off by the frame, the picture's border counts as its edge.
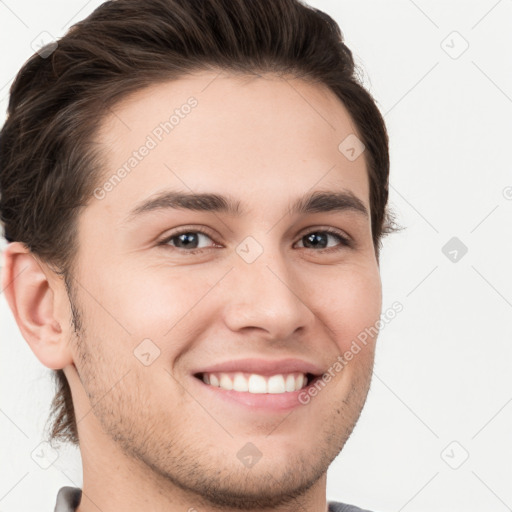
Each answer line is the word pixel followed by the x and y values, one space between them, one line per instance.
pixel 315 202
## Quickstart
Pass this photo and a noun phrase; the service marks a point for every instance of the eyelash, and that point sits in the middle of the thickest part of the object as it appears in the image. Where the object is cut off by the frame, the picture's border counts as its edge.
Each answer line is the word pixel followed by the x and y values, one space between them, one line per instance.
pixel 344 241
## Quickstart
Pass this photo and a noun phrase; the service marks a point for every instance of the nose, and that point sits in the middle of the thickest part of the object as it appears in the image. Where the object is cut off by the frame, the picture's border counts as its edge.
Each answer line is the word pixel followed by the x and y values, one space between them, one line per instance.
pixel 267 295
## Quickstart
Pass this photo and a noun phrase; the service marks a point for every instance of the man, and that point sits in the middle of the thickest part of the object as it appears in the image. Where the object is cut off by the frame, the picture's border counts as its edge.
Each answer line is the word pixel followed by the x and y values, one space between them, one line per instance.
pixel 194 194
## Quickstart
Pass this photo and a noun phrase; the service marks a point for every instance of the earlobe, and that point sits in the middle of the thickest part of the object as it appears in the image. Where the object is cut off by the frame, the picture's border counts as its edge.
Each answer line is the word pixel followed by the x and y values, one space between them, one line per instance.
pixel 31 298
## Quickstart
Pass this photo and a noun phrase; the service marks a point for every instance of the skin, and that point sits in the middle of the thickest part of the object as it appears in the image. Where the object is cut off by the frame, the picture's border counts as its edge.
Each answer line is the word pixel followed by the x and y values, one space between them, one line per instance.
pixel 149 437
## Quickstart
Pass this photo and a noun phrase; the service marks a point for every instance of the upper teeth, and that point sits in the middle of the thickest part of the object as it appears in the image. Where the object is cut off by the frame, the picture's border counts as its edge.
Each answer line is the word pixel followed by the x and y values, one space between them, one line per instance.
pixel 254 383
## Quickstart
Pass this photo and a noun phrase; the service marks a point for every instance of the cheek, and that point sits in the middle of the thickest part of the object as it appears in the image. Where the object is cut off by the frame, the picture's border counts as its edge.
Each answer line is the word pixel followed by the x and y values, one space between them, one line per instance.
pixel 150 302
pixel 349 304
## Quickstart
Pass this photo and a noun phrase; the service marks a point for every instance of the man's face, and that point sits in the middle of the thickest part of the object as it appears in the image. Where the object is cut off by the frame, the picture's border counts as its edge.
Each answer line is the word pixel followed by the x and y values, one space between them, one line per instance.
pixel 267 283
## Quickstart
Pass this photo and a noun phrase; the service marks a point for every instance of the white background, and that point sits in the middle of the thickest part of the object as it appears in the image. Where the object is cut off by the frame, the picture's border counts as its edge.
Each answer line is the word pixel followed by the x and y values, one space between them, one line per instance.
pixel 442 386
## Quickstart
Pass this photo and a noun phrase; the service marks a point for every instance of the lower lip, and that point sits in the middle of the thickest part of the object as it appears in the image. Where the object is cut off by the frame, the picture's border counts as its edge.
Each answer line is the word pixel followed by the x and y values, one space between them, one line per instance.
pixel 259 401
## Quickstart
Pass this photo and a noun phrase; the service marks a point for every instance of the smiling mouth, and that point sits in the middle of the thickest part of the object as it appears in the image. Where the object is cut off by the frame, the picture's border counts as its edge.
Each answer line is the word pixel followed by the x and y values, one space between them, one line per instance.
pixel 258 384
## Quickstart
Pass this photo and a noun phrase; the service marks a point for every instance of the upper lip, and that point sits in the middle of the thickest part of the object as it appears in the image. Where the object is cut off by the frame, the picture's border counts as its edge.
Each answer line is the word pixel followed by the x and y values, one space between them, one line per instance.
pixel 263 367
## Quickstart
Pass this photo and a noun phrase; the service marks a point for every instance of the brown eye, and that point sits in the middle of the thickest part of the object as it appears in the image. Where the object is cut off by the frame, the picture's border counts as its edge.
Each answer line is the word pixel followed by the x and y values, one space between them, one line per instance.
pixel 320 240
pixel 187 240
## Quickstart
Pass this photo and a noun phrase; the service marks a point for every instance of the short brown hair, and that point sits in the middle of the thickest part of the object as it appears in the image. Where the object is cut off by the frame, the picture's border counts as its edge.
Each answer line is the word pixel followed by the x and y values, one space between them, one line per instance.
pixel 48 166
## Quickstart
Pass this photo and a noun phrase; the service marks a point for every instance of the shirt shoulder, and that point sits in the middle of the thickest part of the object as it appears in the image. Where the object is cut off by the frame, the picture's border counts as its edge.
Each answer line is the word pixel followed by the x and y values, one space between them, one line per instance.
pixel 68 499
pixel 335 506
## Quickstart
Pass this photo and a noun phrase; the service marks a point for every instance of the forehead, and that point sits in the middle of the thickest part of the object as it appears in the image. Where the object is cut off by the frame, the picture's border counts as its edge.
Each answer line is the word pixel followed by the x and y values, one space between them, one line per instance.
pixel 262 137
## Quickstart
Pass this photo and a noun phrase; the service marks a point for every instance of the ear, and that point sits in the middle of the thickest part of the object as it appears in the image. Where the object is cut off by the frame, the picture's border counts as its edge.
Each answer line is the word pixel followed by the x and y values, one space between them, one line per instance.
pixel 33 291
